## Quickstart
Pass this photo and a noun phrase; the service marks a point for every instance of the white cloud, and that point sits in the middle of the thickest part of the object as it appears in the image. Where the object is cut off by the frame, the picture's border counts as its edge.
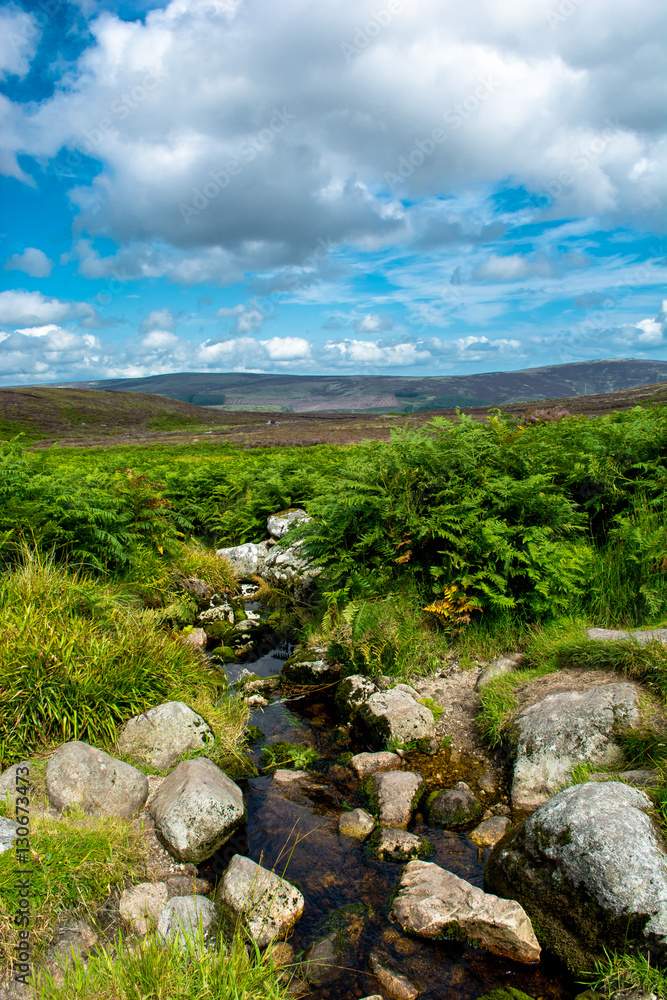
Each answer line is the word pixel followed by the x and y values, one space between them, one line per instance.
pixel 34 309
pixel 32 261
pixel 159 340
pixel 49 351
pixel 369 353
pixel 286 348
pixel 19 36
pixel 158 319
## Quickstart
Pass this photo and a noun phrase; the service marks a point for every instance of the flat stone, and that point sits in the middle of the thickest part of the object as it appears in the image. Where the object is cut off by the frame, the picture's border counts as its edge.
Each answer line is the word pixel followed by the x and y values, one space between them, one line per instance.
pixel 164 733
pixel 81 775
pixel 278 525
pixel 352 693
pixel 357 824
pixel 196 810
pixel 454 807
pixel 181 918
pixel 434 903
pixel 394 794
pixel 399 845
pixel 590 866
pixel 501 665
pixel 364 764
pixel 488 833
pixel 246 560
pixel 395 983
pixel 267 906
pixel 284 777
pixel 8 834
pixel 140 906
pixel 641 636
pixel 566 729
pixel 395 715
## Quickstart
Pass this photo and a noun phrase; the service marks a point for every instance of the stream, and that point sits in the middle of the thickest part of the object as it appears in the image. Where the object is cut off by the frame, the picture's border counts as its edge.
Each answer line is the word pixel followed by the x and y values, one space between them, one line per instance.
pixel 294 829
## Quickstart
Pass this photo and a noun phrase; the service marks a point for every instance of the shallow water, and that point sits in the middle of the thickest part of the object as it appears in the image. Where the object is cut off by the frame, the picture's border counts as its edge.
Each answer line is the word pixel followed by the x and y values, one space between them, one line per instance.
pixel 295 831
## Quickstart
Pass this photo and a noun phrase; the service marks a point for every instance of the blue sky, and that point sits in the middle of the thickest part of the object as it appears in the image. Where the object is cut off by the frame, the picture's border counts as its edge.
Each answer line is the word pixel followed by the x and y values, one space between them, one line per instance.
pixel 323 187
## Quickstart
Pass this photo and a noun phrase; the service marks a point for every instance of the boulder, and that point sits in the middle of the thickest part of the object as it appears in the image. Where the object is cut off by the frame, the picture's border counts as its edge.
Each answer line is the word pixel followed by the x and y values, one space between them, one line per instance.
pixel 164 733
pixel 399 845
pixel 8 834
pixel 641 636
pixel 182 917
pixel 395 715
pixel 322 961
pixel 453 807
pixel 351 694
pixel 246 560
pixel 196 810
pixel 394 795
pixel 197 638
pixel 16 774
pixel 488 833
pixel 356 823
pixel 288 566
pixel 566 729
pixel 200 589
pixel 266 905
pixel 368 763
pixel 278 525
pixel 434 903
pixel 407 689
pixel 591 868
pixel 140 906
pixel 309 667
pixel 395 983
pixel 81 775
pixel 501 665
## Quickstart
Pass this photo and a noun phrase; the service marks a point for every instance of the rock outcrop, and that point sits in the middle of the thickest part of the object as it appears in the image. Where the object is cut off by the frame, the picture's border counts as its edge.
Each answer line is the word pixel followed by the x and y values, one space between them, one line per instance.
pixel 279 524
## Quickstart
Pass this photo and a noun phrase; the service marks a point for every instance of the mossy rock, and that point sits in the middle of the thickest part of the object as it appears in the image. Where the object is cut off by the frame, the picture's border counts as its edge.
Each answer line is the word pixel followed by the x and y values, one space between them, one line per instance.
pixel 506 993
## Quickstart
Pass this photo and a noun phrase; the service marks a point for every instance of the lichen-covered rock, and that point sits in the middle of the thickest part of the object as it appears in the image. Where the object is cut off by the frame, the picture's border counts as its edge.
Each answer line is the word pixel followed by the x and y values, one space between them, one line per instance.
pixel 288 566
pixel 434 903
pixel 266 905
pixel 356 823
pixel 399 845
pixel 395 715
pixel 566 729
pixel 394 795
pixel 246 560
pixel 453 807
pixel 351 694
pixel 641 636
pixel 164 733
pixel 182 917
pixel 369 763
pixel 140 906
pixel 591 868
pixel 278 525
pixel 490 831
pixel 196 810
pixel 81 775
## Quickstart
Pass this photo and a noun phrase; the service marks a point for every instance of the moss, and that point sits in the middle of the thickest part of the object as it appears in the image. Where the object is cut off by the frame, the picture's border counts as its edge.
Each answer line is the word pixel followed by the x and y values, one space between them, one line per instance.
pixel 506 993
pixel 254 734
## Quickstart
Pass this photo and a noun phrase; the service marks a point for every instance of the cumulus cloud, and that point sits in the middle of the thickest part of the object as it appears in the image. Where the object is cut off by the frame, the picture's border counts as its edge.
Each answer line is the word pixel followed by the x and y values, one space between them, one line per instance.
pixel 159 319
pixel 32 309
pixel 372 323
pixel 48 350
pixel 19 36
pixel 32 261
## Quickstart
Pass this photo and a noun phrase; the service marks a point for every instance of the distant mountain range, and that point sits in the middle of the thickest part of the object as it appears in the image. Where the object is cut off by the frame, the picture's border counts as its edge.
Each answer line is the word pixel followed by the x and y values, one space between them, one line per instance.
pixel 389 393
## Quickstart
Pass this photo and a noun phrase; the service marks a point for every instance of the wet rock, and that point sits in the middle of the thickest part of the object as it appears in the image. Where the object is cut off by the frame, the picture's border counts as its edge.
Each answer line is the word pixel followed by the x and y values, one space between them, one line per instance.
pixel 256 701
pixel 395 984
pixel 399 845
pixel 501 665
pixel 164 733
pixel 181 918
pixel 357 823
pixel 140 906
pixel 196 809
pixel 309 667
pixel 434 903
pixel 278 525
pixel 489 783
pixel 453 807
pixel 246 560
pixel 641 636
pixel 394 795
pixel 15 774
pixel 322 962
pixel 488 833
pixel 8 834
pixel 590 866
pixel 364 764
pixel 566 729
pixel 267 906
pixel 395 715
pixel 81 775
pixel 507 993
pixel 197 638
pixel 351 694
pixel 283 777
pixel 376 996
pixel 282 954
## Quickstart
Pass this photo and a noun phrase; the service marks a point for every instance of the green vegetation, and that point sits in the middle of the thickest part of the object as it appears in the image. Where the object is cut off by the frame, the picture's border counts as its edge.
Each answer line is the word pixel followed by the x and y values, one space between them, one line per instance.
pixel 646 663
pixel 286 754
pixel 626 975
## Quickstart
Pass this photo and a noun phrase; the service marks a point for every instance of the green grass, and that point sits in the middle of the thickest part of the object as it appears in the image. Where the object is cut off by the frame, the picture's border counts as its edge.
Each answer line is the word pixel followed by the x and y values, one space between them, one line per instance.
pixel 628 974
pixel 156 971
pixel 75 863
pixel 498 701
pixel 647 664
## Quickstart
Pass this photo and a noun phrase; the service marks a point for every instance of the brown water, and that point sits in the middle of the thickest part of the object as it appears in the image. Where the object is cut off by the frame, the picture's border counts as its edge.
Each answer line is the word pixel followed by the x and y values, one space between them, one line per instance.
pixel 295 831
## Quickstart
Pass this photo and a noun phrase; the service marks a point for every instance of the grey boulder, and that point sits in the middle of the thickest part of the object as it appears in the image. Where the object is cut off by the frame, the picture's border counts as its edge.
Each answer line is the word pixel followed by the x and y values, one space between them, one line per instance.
pixel 81 775
pixel 434 903
pixel 164 733
pixel 394 795
pixel 395 715
pixel 591 868
pixel 566 729
pixel 278 525
pixel 351 694
pixel 289 566
pixel 140 906
pixel 17 775
pixel 8 834
pixel 196 810
pixel 266 905
pixel 184 918
pixel 356 823
pixel 246 560
pixel 453 807
pixel 368 763
pixel 641 636
pixel 399 845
